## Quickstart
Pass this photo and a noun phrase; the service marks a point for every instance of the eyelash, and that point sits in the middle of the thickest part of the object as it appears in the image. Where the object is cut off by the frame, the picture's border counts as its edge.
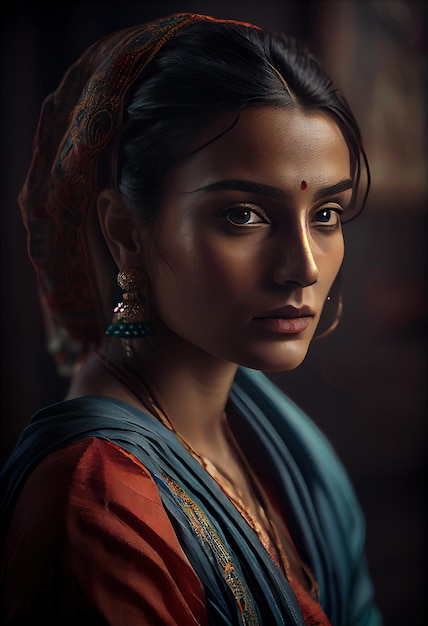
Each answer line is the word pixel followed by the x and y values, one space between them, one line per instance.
pixel 250 209
pixel 263 218
pixel 319 224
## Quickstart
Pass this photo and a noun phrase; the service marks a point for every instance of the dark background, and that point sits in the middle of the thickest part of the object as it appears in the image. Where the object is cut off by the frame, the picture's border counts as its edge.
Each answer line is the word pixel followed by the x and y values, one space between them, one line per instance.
pixel 365 385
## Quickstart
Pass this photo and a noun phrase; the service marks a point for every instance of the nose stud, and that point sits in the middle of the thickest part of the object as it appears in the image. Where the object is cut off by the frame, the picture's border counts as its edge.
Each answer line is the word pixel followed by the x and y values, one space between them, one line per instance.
pixel 303 185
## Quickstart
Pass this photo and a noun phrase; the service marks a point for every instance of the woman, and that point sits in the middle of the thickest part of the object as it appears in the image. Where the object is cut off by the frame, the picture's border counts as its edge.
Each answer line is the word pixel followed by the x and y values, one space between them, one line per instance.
pixel 209 165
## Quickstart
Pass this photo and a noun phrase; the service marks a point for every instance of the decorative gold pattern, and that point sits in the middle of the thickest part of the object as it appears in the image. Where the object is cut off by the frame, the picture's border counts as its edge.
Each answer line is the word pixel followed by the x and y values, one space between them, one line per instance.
pixel 130 280
pixel 130 312
pixel 209 539
pixel 271 533
pixel 233 493
pixel 133 308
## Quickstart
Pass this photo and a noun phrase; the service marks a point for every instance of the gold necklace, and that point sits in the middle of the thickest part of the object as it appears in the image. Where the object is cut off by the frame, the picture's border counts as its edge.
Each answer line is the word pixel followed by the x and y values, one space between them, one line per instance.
pixel 265 529
pixel 268 533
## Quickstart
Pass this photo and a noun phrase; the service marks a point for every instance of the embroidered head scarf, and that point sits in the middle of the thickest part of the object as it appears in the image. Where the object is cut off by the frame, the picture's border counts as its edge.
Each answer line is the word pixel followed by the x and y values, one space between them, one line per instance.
pixel 78 122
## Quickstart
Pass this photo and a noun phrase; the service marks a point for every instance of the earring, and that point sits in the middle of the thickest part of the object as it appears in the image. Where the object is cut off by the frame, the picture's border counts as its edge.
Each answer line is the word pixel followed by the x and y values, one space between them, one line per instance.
pixel 130 315
pixel 332 311
pixel 336 320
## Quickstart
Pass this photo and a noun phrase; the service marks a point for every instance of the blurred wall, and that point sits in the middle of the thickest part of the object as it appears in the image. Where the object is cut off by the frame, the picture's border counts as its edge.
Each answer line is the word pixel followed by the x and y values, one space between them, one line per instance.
pixel 365 385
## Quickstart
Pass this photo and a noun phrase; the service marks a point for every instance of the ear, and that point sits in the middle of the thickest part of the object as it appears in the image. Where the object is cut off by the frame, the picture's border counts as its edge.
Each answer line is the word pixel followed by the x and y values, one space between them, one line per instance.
pixel 120 228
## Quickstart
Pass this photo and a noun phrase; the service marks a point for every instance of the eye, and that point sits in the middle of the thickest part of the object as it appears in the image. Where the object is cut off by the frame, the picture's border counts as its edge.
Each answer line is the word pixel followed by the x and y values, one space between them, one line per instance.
pixel 327 218
pixel 246 215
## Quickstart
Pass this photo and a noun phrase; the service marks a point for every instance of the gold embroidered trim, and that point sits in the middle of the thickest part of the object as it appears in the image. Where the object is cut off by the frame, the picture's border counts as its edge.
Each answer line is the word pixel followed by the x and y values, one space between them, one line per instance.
pixel 209 539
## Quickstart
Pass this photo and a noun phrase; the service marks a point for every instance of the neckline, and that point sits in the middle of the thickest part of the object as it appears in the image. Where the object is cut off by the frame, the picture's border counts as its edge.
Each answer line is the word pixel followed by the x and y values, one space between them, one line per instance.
pixel 150 401
pixel 269 535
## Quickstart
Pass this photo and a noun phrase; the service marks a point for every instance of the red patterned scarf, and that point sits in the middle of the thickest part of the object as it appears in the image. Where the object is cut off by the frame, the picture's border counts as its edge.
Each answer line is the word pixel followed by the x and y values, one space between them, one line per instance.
pixel 78 122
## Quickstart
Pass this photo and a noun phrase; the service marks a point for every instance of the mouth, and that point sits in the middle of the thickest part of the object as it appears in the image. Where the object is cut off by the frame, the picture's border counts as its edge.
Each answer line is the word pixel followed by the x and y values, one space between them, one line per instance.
pixel 286 320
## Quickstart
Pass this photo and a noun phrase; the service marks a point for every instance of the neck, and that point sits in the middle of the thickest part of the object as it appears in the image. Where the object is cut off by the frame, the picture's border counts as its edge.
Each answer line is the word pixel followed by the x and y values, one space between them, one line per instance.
pixel 191 387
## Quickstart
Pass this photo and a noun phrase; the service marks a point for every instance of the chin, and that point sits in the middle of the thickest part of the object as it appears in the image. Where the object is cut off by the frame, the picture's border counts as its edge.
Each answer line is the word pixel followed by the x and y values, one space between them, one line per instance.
pixel 284 358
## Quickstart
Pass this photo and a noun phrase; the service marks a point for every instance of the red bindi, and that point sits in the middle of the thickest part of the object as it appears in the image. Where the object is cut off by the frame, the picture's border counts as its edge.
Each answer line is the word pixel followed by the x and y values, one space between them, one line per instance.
pixel 303 185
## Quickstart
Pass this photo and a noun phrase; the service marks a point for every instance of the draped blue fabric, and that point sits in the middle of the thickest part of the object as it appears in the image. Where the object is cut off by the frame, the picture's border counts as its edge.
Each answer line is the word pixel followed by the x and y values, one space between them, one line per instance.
pixel 321 509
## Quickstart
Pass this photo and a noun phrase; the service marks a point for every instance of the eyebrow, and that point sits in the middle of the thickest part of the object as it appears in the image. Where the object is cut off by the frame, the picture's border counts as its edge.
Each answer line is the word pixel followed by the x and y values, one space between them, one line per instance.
pixel 271 192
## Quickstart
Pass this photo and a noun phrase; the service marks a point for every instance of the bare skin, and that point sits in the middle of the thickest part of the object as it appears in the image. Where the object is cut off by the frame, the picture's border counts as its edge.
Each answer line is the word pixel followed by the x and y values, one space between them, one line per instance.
pixel 221 259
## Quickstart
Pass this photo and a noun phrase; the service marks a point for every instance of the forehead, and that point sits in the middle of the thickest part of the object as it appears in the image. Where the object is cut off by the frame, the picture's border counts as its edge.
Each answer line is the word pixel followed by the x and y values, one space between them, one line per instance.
pixel 272 145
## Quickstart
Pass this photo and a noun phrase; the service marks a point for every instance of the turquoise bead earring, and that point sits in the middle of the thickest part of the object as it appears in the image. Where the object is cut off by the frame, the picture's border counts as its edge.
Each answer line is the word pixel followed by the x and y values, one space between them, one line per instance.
pixel 130 316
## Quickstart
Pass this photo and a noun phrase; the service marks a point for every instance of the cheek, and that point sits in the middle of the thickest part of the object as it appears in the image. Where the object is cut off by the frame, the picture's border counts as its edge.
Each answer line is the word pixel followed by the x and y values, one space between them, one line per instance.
pixel 208 264
pixel 191 279
pixel 330 265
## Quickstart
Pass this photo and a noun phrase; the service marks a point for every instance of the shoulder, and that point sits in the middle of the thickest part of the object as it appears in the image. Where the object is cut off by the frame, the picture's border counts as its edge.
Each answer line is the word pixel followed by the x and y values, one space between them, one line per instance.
pixel 278 413
pixel 85 474
pixel 295 440
pixel 90 517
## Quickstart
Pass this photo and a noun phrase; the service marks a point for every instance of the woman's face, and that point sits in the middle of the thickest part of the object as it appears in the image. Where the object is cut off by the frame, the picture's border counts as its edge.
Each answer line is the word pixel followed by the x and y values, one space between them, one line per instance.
pixel 249 240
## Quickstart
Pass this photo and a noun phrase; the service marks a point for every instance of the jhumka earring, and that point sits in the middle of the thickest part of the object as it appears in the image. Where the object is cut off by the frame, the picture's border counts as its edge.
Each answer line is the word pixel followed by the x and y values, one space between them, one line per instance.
pixel 130 315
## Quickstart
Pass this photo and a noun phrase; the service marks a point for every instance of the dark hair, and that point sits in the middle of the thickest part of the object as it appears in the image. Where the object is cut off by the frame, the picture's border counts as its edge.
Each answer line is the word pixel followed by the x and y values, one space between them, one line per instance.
pixel 208 69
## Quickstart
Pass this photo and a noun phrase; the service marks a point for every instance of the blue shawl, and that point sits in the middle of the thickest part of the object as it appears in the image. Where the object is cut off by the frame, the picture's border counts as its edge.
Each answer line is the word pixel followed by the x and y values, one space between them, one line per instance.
pixel 242 583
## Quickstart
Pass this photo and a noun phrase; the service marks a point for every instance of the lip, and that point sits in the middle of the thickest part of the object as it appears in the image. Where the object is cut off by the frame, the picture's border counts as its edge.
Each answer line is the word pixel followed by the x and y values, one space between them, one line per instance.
pixel 286 320
pixel 287 312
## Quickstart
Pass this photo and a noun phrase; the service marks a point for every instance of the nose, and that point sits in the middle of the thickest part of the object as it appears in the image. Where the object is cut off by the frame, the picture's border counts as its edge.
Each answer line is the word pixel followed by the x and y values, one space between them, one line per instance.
pixel 295 261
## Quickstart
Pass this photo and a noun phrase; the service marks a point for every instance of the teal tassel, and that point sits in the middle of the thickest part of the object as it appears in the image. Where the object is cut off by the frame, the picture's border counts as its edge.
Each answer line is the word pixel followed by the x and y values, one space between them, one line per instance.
pixel 128 331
